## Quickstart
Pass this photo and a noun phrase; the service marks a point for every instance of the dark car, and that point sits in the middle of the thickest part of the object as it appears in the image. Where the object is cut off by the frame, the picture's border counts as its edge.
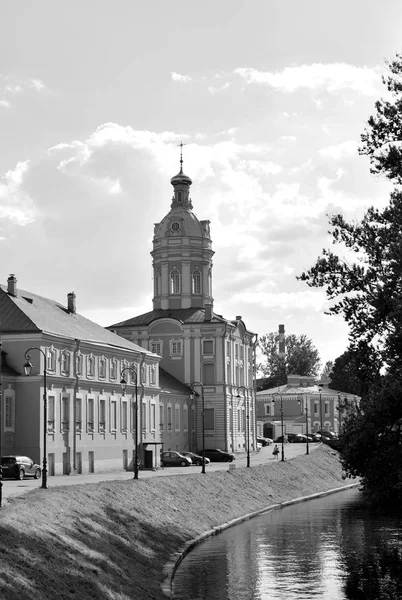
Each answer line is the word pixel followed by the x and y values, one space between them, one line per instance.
pixel 196 459
pixel 300 438
pixel 18 467
pixel 289 437
pixel 328 434
pixel 174 459
pixel 264 441
pixel 217 455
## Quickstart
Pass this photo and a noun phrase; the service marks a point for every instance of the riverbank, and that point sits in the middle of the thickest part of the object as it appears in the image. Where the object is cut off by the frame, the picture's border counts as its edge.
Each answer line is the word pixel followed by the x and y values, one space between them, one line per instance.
pixel 113 540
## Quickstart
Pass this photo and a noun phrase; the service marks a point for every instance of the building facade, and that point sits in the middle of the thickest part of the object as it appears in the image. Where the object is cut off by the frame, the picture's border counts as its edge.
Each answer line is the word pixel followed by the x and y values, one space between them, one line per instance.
pixel 90 421
pixel 307 406
pixel 201 349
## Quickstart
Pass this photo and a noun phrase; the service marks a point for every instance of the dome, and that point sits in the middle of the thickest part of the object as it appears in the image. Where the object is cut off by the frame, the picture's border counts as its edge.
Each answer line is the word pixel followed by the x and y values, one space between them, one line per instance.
pixel 181 178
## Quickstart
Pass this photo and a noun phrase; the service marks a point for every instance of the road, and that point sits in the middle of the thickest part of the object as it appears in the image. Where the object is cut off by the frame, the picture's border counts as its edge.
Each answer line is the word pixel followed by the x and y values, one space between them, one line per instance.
pixel 12 488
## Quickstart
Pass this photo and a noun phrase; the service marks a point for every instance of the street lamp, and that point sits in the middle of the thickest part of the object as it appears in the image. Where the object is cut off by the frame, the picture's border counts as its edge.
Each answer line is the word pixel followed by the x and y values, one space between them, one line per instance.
pixel 28 370
pixel 242 387
pixel 283 440
pixel 123 384
pixel 194 393
pixel 322 427
pixel 306 411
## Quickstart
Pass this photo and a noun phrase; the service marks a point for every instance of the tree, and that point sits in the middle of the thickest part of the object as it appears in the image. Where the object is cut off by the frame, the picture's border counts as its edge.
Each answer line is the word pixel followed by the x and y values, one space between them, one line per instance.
pixel 301 358
pixel 350 373
pixel 327 370
pixel 364 282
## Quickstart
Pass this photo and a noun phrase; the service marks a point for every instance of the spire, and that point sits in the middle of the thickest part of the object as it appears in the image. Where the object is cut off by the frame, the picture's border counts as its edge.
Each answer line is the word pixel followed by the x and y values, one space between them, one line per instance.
pixel 181 155
pixel 181 178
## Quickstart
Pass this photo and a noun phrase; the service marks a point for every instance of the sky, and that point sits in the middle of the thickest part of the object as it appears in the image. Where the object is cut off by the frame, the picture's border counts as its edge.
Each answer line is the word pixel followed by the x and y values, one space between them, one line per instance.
pixel 270 98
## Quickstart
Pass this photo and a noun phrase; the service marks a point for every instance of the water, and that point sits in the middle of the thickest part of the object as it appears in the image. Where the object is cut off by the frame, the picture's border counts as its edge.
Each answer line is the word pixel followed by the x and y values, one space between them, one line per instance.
pixel 330 548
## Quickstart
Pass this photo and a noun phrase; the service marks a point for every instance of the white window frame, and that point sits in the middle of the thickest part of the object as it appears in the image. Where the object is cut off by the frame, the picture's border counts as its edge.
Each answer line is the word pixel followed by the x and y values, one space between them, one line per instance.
pixel 51 402
pixel 90 366
pixel 90 424
pixel 102 367
pixel 268 409
pixel 177 417
pixel 65 362
pixel 51 359
pixel 78 413
pixel 113 369
pixel 124 415
pixel 196 281
pixel 9 410
pixel 156 347
pixel 176 347
pixel 113 414
pixel 175 282
pixel 102 424
pixel 208 341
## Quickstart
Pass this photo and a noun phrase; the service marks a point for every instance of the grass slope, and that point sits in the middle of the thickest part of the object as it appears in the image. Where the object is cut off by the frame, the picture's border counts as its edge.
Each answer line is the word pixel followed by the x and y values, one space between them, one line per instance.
pixel 111 540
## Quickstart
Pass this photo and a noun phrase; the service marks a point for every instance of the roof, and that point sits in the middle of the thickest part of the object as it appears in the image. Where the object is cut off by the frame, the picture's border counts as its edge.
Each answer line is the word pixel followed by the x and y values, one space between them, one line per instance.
pixel 5 369
pixel 30 313
pixel 291 390
pixel 184 315
pixel 171 385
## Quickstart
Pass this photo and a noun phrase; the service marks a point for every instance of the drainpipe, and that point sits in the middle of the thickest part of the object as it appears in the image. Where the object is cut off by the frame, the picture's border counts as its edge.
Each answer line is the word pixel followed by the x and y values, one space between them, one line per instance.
pixel 76 387
pixel 143 354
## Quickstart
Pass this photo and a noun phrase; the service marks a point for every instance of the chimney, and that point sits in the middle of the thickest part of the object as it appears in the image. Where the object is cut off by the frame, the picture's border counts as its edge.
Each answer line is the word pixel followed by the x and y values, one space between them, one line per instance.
pixel 71 302
pixel 281 337
pixel 208 312
pixel 238 318
pixel 12 285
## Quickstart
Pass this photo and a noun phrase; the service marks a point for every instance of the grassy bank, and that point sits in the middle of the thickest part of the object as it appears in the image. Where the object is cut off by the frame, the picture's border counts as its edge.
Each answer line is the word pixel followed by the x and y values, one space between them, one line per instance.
pixel 111 540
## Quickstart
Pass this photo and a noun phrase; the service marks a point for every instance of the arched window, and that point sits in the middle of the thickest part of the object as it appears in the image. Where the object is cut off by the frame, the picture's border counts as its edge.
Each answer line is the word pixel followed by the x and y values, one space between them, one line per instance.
pixel 179 196
pixel 196 280
pixel 209 282
pixel 175 282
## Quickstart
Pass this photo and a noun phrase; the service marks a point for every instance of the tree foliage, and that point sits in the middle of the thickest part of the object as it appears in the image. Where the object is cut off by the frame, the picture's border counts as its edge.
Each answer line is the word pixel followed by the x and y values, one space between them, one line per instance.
pixel 363 282
pixel 301 358
pixel 327 370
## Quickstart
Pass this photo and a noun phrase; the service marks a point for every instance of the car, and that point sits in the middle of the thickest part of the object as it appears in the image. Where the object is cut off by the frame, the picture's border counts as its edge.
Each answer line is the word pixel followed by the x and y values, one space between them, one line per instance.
pixel 328 434
pixel 196 459
pixel 174 459
pixel 315 437
pixel 289 437
pixel 264 441
pixel 300 438
pixel 258 446
pixel 217 455
pixel 18 467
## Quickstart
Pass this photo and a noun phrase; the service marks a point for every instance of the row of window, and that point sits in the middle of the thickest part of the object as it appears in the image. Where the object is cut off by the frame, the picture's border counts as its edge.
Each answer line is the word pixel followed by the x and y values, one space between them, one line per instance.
pixel 175 282
pixel 98 366
pixel 176 347
pixel 270 410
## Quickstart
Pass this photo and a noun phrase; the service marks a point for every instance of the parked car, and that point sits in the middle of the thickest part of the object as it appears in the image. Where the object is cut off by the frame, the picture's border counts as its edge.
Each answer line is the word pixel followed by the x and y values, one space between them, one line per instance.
pixel 315 437
pixel 196 459
pixel 300 438
pixel 20 466
pixel 264 441
pixel 328 434
pixel 289 437
pixel 175 459
pixel 217 455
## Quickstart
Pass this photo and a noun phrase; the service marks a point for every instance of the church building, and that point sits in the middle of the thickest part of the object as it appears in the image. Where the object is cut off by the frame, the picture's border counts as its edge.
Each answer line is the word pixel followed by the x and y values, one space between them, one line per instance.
pixel 210 354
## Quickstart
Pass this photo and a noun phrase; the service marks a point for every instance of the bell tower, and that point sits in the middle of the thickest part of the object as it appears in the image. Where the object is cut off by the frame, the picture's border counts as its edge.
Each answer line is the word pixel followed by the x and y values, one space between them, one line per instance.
pixel 182 252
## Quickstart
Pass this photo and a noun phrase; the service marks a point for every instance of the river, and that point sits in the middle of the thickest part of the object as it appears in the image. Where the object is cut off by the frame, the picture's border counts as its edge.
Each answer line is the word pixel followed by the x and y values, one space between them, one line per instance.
pixel 334 548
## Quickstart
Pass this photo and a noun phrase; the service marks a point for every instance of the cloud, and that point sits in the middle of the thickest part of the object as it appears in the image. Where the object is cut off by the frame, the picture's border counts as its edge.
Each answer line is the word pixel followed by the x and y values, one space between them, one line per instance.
pixel 289 138
pixel 332 77
pixel 339 151
pixel 15 204
pixel 10 86
pixel 215 90
pixel 180 78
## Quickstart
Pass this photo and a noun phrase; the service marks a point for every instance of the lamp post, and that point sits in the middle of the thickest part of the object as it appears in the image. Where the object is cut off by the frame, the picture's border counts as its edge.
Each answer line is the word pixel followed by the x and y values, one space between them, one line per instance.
pixel 123 384
pixel 203 419
pixel 306 411
pixel 322 428
pixel 28 370
pixel 283 440
pixel 242 387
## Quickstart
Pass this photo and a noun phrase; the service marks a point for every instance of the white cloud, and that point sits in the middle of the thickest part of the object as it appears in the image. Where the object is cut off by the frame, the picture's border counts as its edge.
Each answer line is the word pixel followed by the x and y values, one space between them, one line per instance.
pixel 345 149
pixel 215 90
pixel 15 204
pixel 180 78
pixel 289 138
pixel 331 77
pixel 5 103
pixel 37 85
pixel 10 86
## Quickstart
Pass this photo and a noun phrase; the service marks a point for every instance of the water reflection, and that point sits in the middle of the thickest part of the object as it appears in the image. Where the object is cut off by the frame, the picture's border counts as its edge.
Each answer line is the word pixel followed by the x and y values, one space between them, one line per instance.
pixel 320 548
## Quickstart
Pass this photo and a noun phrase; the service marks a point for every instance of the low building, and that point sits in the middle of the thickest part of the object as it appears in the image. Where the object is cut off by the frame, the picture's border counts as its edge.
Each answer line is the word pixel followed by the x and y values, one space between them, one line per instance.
pixel 90 422
pixel 302 405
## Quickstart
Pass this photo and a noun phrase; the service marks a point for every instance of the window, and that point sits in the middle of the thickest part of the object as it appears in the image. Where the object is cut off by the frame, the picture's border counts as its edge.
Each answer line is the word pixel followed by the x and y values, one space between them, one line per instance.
pixel 209 418
pixel 208 346
pixel 185 417
pixel 161 419
pixel 179 199
pixel 196 282
pixel 153 417
pixel 315 409
pixel 228 348
pixel 50 413
pixel 90 365
pixel 174 282
pixel 78 414
pixel 113 415
pixel 238 419
pixel 267 409
pixel 90 414
pixel 65 362
pixel 65 413
pixel 228 373
pixel 236 350
pixel 9 410
pixel 210 283
pixel 144 374
pixel 152 375
pixel 326 409
pixel 102 414
pixel 78 363
pixel 102 367
pixel 175 348
pixel 113 369
pixel 51 359
pixel 156 347
pixel 157 283
pixel 209 373
pixel 124 416
pixel 133 415
pixel 169 418
pixel 144 416
pixel 177 418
